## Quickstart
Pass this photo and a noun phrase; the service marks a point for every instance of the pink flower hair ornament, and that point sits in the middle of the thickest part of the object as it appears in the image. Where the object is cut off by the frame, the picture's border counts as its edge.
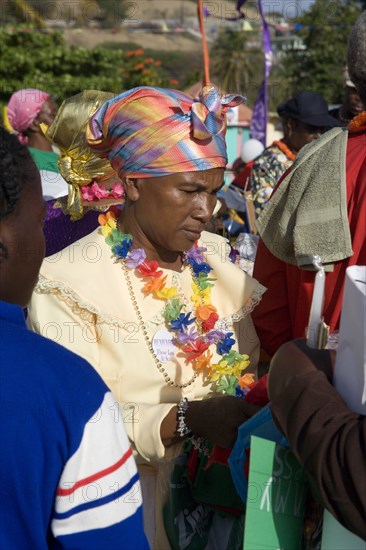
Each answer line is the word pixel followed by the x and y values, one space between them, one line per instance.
pixel 95 192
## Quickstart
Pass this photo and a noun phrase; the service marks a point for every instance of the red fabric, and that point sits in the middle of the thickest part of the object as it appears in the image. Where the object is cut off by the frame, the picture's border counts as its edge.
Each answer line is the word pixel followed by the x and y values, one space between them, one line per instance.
pixel 218 454
pixel 258 394
pixel 243 178
pixel 226 510
pixel 284 311
pixel 192 463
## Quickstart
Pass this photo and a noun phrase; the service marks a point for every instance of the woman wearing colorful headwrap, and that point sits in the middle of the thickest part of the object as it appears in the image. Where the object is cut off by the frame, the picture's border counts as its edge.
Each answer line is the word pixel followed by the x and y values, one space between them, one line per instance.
pixel 152 302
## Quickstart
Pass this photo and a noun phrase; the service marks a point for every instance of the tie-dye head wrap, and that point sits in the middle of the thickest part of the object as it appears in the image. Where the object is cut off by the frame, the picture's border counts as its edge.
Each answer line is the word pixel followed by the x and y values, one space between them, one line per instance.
pixel 150 132
pixel 23 107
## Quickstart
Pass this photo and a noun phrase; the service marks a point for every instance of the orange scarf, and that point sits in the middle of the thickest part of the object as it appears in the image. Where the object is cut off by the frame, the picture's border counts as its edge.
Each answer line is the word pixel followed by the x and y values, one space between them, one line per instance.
pixel 358 122
pixel 284 149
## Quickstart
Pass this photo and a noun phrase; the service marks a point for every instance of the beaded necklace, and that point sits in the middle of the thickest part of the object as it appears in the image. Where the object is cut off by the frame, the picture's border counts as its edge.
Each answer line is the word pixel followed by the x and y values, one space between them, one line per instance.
pixel 193 342
pixel 284 149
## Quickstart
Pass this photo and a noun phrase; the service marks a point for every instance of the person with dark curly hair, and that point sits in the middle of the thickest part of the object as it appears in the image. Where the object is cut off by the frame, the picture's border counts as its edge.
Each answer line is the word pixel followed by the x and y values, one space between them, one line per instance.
pixel 67 480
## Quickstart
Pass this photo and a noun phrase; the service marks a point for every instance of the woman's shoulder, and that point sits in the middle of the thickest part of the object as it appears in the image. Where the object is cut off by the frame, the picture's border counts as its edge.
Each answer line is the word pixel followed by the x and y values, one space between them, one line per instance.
pixel 82 275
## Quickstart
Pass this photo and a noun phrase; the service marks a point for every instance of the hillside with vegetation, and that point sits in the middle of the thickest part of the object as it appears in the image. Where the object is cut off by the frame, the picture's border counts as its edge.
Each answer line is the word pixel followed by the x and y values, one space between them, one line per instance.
pixel 114 45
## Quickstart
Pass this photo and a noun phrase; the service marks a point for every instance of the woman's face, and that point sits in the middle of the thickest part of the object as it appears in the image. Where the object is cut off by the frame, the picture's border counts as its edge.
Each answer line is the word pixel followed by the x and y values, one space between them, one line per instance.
pixel 48 112
pixel 46 115
pixel 172 211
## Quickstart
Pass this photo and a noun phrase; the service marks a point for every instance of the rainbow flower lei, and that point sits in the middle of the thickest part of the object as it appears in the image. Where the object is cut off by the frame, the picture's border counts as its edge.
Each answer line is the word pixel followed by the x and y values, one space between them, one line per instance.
pixel 193 342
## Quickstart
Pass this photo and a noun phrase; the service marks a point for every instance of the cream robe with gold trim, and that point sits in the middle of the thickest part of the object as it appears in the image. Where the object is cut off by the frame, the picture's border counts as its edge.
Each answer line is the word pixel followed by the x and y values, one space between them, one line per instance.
pixel 83 303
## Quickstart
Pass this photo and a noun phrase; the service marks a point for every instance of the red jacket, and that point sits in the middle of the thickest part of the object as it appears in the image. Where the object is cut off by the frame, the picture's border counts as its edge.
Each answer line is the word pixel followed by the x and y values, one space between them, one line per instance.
pixel 283 313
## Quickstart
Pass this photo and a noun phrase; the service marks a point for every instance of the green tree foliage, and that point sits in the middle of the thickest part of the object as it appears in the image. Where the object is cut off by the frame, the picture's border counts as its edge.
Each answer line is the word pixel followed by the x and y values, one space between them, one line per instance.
pixel 34 59
pixel 180 68
pixel 234 64
pixel 319 67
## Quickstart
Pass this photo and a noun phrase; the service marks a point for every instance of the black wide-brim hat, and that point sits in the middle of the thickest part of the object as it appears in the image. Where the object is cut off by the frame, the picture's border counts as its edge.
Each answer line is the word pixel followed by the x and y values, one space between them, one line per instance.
pixel 308 107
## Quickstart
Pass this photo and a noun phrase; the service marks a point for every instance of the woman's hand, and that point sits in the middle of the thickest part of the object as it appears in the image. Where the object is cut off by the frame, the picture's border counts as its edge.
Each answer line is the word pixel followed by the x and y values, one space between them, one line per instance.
pixel 218 419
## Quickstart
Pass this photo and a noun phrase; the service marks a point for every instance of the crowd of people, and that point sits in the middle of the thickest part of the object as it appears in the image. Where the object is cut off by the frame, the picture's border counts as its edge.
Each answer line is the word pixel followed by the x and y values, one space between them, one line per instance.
pixel 131 337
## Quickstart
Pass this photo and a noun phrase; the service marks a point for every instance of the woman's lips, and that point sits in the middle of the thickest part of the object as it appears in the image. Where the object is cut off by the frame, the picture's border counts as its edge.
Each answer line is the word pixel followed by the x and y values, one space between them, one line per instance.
pixel 194 233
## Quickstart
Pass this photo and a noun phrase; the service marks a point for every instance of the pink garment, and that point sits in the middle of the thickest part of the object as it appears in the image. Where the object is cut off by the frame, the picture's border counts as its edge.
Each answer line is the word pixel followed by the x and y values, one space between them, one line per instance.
pixel 23 107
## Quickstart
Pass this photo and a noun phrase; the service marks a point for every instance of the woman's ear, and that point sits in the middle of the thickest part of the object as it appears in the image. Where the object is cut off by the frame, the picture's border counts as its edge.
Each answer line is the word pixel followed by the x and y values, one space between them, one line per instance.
pixel 131 188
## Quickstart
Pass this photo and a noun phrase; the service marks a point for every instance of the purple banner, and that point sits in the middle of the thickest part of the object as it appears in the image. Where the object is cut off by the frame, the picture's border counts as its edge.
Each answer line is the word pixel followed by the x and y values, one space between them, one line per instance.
pixel 258 128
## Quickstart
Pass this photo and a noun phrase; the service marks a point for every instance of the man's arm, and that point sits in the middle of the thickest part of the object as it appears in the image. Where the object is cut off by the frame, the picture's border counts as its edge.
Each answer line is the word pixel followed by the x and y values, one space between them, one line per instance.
pixel 98 500
pixel 326 437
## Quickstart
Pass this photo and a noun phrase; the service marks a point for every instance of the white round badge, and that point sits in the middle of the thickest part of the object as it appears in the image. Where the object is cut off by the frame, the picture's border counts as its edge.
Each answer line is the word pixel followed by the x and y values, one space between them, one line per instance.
pixel 163 345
